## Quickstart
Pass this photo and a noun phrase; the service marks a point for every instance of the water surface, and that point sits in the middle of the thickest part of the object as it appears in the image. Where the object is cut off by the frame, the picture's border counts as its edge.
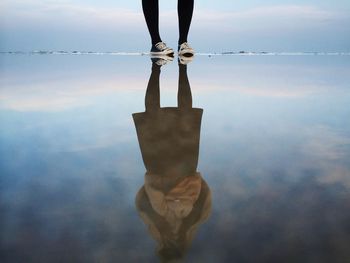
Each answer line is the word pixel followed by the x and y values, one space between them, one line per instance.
pixel 271 146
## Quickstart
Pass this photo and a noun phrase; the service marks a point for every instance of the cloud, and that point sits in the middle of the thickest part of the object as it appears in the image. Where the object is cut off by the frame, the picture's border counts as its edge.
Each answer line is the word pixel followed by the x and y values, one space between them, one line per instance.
pixel 326 144
pixel 35 24
pixel 66 12
pixel 326 149
pixel 271 17
pixel 284 11
pixel 61 95
pixel 69 94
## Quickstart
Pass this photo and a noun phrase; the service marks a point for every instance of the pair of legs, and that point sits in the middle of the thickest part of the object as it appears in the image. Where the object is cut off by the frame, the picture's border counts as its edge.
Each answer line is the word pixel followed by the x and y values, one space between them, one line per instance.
pixel 184 96
pixel 151 13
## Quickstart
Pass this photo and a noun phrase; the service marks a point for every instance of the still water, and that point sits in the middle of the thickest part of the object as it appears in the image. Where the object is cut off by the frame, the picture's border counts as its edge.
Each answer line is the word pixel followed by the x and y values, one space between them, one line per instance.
pixel 227 159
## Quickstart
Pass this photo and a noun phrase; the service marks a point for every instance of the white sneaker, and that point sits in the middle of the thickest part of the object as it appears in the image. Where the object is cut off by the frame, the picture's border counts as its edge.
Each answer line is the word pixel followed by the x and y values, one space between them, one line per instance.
pixel 161 60
pixel 161 49
pixel 183 60
pixel 185 50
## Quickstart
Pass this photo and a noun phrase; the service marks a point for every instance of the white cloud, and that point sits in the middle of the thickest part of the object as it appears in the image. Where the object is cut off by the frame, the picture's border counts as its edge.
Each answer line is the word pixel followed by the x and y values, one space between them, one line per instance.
pixel 326 144
pixel 326 149
pixel 286 17
pixel 62 95
pixel 35 24
pixel 66 12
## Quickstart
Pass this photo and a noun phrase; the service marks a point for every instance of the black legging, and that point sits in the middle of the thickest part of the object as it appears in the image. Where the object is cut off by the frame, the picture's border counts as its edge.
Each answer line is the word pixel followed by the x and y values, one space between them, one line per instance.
pixel 151 12
pixel 184 95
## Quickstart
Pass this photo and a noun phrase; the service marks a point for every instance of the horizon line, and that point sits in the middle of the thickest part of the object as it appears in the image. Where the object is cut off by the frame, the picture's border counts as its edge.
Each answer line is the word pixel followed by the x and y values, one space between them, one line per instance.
pixel 224 53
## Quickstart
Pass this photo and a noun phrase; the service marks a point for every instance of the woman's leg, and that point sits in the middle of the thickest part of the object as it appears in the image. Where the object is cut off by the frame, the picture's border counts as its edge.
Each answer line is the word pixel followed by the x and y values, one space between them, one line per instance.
pixel 184 95
pixel 152 98
pixel 151 13
pixel 185 12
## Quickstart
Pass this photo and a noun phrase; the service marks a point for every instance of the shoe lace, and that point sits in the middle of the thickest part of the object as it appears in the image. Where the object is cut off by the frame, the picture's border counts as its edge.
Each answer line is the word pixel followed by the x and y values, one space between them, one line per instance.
pixel 161 45
pixel 161 62
pixel 185 45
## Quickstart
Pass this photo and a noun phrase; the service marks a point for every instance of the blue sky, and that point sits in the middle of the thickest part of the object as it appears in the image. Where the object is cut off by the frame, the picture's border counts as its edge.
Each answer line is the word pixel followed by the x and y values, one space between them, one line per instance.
pixel 110 25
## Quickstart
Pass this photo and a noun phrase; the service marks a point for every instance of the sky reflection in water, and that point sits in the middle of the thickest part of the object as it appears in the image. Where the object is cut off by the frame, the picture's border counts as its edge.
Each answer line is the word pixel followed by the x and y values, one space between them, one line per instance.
pixel 274 150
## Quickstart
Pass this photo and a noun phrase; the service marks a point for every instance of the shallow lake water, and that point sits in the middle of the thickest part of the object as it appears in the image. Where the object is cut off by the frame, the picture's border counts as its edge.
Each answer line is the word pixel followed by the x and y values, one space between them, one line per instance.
pixel 229 159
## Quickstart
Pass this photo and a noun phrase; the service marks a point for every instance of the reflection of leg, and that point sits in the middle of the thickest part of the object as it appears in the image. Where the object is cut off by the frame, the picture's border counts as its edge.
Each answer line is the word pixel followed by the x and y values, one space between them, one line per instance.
pixel 185 11
pixel 151 13
pixel 152 99
pixel 184 96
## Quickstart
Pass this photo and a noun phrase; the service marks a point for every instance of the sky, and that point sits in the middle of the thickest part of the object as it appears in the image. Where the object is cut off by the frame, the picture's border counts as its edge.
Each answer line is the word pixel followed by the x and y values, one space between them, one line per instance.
pixel 118 25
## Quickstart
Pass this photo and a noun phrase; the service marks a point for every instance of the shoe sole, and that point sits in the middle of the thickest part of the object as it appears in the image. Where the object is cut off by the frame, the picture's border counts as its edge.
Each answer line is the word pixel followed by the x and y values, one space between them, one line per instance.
pixel 183 60
pixel 186 54
pixel 168 53
pixel 164 57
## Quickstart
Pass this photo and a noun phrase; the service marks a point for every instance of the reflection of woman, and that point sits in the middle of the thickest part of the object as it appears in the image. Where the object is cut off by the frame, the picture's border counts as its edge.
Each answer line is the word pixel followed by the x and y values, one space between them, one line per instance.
pixel 151 13
pixel 174 199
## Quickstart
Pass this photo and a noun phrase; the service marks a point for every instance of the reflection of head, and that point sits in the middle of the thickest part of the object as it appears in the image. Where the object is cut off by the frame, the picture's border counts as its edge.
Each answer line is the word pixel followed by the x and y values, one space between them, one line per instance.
pixel 173 216
pixel 177 203
pixel 170 255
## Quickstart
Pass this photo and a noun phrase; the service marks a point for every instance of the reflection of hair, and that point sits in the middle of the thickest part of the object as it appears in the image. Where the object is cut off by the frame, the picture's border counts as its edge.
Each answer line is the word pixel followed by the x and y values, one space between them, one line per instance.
pixel 170 254
pixel 171 247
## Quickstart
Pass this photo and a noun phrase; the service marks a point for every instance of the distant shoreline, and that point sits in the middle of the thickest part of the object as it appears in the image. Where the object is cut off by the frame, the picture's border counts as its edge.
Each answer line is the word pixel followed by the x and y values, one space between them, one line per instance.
pixel 227 53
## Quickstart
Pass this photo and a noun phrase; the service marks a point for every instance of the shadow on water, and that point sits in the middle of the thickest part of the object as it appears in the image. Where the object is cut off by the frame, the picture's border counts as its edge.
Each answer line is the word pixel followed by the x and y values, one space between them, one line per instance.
pixel 175 199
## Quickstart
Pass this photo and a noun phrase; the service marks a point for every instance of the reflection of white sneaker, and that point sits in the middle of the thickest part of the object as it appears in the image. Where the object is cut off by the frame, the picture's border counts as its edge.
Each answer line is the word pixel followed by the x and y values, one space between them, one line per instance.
pixel 161 60
pixel 185 50
pixel 161 49
pixel 183 60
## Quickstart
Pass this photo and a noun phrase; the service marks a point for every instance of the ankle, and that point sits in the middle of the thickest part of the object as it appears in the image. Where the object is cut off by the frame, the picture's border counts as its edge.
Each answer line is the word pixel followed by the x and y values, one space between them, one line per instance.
pixel 155 67
pixel 156 42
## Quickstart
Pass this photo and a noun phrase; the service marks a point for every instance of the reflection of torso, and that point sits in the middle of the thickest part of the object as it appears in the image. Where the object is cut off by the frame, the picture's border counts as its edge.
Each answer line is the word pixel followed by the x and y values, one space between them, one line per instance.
pixel 169 140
